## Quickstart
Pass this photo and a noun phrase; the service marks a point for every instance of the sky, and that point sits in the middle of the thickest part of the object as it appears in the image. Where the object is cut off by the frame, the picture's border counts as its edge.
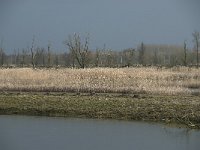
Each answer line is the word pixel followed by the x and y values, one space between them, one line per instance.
pixel 118 24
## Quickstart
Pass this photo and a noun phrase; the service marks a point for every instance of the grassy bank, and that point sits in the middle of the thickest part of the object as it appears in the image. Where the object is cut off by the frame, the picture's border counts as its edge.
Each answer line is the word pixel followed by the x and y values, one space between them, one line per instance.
pixel 184 110
pixel 178 80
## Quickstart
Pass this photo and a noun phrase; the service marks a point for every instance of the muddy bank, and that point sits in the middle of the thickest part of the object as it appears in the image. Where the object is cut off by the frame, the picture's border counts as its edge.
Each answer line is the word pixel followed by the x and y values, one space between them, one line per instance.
pixel 179 109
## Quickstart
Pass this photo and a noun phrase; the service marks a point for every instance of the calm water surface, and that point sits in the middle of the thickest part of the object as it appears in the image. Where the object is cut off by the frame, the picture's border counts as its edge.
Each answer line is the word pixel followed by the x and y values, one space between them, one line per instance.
pixel 45 133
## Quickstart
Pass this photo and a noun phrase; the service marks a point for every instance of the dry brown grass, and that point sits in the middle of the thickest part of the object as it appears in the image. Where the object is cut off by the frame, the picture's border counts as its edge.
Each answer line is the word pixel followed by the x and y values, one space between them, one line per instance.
pixel 142 80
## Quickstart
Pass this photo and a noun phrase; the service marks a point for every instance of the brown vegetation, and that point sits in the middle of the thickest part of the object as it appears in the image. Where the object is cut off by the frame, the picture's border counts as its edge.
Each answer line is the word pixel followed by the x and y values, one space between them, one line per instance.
pixel 180 80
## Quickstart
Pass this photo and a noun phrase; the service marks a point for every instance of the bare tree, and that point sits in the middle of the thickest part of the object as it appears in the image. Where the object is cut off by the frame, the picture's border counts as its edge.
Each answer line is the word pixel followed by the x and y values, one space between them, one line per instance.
pixel 56 60
pixel 155 57
pixel 33 53
pixel 196 40
pixel 24 53
pixel 18 58
pixel 79 50
pixel 43 57
pixel 39 57
pixel 49 54
pixel 97 57
pixel 185 54
pixel 141 54
pixel 110 56
pixel 127 57
pixel 2 54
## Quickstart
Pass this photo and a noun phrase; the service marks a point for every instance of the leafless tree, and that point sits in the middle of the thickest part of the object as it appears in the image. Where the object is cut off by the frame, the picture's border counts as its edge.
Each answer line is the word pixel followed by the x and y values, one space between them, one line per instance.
pixel 128 57
pixel 56 60
pixel 109 58
pixel 79 50
pixel 18 58
pixel 33 53
pixel 24 53
pixel 155 57
pixel 2 53
pixel 2 56
pixel 196 40
pixel 141 54
pixel 97 58
pixel 39 57
pixel 43 57
pixel 49 54
pixel 185 54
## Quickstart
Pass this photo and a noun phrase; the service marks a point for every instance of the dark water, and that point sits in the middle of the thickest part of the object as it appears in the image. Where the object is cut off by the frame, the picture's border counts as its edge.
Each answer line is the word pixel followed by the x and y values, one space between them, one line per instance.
pixel 44 133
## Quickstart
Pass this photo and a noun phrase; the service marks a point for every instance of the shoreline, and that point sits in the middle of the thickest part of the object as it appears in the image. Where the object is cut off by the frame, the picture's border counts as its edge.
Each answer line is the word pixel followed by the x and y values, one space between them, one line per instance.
pixel 182 110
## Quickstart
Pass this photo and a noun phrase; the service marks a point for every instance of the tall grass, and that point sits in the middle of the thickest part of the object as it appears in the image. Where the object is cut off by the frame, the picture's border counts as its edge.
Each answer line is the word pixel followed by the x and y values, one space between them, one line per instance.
pixel 142 80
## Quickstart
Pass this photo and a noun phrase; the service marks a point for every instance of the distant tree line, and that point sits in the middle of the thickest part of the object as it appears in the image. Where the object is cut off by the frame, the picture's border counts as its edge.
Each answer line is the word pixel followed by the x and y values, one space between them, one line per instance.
pixel 79 55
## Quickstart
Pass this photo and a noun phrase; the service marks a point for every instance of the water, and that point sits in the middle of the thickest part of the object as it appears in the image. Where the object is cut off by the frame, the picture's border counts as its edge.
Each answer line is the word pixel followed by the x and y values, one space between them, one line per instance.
pixel 45 133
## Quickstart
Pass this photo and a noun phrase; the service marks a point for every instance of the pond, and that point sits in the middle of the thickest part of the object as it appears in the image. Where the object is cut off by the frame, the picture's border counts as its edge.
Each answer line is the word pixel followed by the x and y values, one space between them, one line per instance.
pixel 50 133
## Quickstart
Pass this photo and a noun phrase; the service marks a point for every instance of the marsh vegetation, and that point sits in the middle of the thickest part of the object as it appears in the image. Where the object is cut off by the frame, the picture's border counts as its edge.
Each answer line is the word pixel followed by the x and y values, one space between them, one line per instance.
pixel 182 110
pixel 151 80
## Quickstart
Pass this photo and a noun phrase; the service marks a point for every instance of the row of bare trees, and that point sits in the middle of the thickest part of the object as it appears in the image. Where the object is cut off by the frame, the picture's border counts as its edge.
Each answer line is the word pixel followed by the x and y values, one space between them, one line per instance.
pixel 179 56
pixel 79 55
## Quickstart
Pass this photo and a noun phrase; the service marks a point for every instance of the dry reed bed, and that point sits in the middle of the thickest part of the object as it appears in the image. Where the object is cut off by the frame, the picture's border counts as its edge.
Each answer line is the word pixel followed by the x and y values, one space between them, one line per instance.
pixel 142 80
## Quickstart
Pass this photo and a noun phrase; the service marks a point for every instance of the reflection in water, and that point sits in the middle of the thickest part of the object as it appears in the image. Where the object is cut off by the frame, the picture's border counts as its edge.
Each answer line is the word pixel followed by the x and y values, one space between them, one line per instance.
pixel 173 132
pixel 188 137
pixel 31 133
pixel 180 135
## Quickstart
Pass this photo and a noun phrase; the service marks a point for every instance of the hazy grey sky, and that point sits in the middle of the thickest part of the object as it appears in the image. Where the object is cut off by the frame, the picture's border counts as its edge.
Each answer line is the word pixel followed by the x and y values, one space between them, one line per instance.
pixel 117 23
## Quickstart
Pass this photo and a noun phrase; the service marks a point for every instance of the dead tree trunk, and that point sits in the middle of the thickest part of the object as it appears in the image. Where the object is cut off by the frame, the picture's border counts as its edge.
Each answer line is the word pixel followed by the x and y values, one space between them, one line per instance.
pixel 196 40
pixel 33 53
